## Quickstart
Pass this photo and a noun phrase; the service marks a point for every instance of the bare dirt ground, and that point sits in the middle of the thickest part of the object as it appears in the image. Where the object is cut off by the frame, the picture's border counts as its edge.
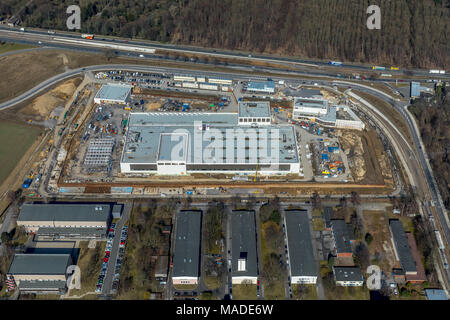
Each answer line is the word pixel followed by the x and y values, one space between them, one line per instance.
pixel 351 143
pixel 376 223
pixel 367 158
pixel 42 106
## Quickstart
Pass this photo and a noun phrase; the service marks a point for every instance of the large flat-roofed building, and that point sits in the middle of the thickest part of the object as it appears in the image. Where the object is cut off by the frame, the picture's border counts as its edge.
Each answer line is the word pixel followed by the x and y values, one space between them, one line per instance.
pixel 113 93
pixel 220 80
pixel 302 266
pixel 309 107
pixel 66 220
pixel 184 77
pixel 348 276
pixel 261 86
pixel 342 239
pixel 39 273
pixel 254 113
pixel 180 143
pixel 186 258
pixel 244 262
pixel 402 248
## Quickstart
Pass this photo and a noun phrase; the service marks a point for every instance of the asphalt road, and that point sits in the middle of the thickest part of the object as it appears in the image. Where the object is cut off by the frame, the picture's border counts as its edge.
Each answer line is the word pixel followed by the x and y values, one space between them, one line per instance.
pixel 43 35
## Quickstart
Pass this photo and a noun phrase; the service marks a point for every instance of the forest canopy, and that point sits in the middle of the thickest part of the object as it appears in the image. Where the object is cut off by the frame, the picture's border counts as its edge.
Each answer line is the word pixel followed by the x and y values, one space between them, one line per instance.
pixel 413 32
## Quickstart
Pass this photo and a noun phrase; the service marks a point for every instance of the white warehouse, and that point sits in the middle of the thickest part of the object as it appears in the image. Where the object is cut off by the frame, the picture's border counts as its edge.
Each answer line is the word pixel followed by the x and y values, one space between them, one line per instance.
pixel 180 143
pixel 113 93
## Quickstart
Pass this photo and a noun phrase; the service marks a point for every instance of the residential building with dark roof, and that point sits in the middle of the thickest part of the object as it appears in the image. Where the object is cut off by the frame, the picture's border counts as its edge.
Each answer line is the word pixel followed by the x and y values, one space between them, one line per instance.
pixel 302 265
pixel 348 276
pixel 402 247
pixel 39 273
pixel 186 257
pixel 66 220
pixel 244 262
pixel 420 276
pixel 342 240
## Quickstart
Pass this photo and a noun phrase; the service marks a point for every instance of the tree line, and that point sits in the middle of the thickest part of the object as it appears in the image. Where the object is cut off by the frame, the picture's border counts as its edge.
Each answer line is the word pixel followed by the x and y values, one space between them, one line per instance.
pixel 413 33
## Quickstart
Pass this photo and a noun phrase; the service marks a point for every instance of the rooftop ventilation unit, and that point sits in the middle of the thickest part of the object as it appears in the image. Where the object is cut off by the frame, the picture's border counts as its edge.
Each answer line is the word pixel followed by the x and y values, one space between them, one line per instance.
pixel 242 262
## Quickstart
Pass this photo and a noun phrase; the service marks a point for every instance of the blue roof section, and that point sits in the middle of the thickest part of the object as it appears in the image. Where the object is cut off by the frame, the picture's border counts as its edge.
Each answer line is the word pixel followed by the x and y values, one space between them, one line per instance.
pixel 436 294
pixel 113 92
pixel 261 86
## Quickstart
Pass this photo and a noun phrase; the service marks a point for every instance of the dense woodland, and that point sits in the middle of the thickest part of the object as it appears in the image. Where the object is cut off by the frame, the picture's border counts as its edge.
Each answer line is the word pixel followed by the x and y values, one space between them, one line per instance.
pixel 413 32
pixel 433 117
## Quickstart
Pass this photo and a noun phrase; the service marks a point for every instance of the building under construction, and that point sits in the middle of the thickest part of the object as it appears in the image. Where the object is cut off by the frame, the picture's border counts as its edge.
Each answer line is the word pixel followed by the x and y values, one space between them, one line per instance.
pixel 173 143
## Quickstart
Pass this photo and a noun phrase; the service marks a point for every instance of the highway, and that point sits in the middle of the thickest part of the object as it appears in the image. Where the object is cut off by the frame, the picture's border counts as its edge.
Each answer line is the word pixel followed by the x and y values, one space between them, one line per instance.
pixel 44 35
pixel 130 48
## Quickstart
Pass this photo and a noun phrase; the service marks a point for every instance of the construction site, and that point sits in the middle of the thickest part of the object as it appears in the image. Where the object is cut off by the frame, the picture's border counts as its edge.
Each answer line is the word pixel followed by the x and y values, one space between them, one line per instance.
pixel 95 138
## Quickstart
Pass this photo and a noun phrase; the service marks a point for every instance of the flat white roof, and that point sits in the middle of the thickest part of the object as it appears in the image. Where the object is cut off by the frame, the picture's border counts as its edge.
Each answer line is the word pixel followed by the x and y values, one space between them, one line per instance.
pixel 254 109
pixel 215 132
pixel 113 92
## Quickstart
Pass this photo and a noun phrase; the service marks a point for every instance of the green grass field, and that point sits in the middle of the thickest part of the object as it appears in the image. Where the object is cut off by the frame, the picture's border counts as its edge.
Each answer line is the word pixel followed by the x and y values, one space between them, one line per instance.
pixel 15 140
pixel 244 292
pixel 6 47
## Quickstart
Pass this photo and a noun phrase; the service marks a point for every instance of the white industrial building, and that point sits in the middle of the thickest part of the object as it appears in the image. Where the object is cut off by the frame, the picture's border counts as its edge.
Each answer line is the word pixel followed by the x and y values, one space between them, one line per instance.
pixel 184 77
pixel 180 143
pixel 254 113
pixel 208 86
pixel 201 79
pixel 191 85
pixel 220 80
pixel 261 86
pixel 113 93
pixel 311 106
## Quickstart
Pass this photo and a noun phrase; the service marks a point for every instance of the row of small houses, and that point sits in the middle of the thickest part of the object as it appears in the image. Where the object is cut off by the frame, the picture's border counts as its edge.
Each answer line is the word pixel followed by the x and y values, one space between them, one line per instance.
pixel 302 265
pixel 404 245
pixel 47 272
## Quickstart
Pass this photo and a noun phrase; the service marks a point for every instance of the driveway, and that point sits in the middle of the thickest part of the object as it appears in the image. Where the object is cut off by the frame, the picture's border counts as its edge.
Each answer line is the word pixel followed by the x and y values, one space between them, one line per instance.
pixel 110 271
